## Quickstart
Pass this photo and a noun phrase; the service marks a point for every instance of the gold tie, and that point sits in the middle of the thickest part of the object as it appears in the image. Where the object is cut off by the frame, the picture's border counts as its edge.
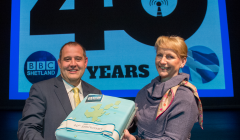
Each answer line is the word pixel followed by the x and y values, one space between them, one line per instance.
pixel 76 96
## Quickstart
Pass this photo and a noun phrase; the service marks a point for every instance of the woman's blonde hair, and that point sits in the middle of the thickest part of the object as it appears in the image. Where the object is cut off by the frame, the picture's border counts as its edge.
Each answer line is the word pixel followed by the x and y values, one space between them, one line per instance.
pixel 174 43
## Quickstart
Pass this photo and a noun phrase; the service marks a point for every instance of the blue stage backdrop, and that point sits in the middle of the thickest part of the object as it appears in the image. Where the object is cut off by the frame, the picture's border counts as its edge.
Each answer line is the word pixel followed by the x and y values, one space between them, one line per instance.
pixel 119 36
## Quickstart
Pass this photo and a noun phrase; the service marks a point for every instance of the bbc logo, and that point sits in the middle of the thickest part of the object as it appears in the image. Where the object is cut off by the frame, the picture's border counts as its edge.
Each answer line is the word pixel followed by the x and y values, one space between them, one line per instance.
pixel 41 65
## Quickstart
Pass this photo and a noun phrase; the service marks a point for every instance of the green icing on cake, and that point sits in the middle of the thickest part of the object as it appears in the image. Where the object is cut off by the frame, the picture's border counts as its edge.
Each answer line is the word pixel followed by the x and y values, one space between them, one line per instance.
pixel 117 102
pixel 96 107
pixel 96 113
pixel 108 106
pixel 115 107
pixel 99 112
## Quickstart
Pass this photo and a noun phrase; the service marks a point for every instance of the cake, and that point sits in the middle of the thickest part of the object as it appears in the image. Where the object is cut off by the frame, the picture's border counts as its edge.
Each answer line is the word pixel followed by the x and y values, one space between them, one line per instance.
pixel 97 117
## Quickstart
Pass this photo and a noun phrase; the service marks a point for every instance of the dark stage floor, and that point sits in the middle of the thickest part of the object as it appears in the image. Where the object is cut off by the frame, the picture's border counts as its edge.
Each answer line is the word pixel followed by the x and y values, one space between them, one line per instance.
pixel 218 125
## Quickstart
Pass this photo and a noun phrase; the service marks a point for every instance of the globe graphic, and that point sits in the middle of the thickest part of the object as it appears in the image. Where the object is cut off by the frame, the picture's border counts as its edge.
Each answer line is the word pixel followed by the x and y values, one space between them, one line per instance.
pixel 202 64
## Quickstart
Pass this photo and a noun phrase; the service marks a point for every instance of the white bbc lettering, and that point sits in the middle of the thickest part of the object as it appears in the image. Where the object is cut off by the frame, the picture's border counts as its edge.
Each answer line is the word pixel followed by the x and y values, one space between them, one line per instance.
pixel 50 65
pixel 31 65
pixel 41 68
pixel 50 72
pixel 40 65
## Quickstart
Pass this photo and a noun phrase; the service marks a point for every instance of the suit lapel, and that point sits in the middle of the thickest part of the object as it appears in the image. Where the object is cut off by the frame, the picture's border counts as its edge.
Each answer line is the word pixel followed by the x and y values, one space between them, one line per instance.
pixel 62 95
pixel 85 89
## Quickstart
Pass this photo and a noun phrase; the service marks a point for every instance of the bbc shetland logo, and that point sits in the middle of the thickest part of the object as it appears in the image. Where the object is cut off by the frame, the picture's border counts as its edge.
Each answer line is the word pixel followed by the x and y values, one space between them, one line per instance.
pixel 39 66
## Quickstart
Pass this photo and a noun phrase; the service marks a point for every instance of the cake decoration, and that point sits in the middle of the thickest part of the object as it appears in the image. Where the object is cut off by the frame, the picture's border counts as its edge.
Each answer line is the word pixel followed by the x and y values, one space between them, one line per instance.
pixel 99 112
pixel 93 120
pixel 117 102
pixel 108 106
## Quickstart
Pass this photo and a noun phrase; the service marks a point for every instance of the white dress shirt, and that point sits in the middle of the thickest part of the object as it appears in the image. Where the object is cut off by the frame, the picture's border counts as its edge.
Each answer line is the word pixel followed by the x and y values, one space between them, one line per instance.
pixel 70 92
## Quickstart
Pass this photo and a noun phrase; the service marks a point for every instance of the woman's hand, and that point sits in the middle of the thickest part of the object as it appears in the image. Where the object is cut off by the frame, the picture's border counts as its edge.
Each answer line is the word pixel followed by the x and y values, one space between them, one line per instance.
pixel 128 136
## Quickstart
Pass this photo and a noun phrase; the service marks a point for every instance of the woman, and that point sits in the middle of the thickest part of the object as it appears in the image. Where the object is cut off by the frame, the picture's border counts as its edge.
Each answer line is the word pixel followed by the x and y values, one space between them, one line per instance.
pixel 181 112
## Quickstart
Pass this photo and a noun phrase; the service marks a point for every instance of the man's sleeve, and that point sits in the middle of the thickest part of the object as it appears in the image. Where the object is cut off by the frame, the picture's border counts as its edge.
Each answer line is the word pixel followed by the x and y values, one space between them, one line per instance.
pixel 30 126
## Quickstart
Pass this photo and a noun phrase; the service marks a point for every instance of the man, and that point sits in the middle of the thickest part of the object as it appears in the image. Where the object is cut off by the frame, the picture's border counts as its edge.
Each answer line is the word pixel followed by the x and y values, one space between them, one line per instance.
pixel 51 101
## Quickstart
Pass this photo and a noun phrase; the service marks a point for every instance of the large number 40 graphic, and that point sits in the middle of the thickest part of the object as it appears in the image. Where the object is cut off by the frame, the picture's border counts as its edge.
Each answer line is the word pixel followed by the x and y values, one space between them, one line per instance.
pixel 90 19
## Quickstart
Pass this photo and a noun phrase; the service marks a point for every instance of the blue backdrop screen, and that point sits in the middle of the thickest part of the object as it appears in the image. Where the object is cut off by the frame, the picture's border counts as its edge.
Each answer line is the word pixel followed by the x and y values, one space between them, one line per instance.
pixel 119 37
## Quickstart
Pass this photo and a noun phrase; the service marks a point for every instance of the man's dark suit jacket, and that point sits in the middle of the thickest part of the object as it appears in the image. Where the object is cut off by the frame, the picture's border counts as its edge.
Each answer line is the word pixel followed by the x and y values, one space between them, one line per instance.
pixel 45 109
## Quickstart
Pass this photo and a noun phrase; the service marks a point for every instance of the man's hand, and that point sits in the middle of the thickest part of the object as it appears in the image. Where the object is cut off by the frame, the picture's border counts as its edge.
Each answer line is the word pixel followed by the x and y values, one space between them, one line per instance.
pixel 128 136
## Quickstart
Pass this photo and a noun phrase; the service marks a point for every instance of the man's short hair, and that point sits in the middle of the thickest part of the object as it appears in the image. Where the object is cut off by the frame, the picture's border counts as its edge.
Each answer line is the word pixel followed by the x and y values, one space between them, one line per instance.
pixel 72 44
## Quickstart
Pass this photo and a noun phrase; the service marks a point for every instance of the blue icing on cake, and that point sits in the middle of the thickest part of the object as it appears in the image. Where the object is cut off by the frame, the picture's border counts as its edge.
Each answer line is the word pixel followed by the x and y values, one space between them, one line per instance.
pixel 113 115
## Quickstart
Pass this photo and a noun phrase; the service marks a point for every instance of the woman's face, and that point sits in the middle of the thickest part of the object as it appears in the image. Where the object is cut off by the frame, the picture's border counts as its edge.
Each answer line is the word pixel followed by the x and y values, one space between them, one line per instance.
pixel 168 63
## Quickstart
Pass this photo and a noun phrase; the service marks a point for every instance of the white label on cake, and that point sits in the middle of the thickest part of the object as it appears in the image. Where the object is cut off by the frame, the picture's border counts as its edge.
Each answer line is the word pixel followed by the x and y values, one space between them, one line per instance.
pixel 106 130
pixel 94 98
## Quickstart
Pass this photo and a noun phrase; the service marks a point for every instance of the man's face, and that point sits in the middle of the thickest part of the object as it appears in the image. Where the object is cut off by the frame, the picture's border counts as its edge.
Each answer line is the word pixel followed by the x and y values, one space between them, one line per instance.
pixel 72 64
